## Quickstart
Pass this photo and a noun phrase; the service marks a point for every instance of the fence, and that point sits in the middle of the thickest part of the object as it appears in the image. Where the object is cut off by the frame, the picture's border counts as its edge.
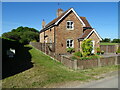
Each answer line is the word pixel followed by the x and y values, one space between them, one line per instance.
pixel 77 64
pixel 109 48
pixel 85 64
pixel 45 47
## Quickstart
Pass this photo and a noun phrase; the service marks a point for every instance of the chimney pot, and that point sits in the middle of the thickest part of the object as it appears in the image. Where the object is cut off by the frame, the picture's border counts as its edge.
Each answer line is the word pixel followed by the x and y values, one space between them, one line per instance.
pixel 43 23
pixel 59 12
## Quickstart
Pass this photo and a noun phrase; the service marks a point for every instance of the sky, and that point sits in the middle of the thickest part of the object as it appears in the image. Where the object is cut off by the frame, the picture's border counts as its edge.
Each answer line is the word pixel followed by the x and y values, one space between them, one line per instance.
pixel 103 16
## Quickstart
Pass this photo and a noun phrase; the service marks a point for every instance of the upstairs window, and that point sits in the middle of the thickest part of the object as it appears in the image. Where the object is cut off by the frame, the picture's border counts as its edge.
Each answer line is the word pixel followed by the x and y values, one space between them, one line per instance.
pixel 70 25
pixel 70 43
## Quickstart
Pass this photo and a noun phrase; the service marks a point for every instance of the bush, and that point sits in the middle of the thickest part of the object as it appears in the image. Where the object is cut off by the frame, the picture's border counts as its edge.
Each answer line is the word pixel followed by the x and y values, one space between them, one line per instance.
pixel 89 57
pixel 87 47
pixel 78 54
pixel 70 50
pixel 98 51
pixel 74 58
pixel 85 58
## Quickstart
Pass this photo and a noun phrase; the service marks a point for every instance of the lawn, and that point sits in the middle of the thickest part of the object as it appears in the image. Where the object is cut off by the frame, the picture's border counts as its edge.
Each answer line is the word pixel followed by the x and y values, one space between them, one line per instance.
pixel 47 71
pixel 106 43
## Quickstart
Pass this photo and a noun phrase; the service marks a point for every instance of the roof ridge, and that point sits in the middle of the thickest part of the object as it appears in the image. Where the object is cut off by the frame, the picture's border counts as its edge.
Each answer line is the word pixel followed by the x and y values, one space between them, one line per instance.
pixel 57 18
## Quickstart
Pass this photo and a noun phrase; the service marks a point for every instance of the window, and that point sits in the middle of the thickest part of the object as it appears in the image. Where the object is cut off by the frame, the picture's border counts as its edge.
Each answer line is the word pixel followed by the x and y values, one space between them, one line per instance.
pixel 69 43
pixel 70 25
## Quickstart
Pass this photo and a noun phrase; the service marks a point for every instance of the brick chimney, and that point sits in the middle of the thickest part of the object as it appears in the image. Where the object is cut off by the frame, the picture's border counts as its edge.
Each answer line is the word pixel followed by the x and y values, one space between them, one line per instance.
pixel 59 12
pixel 43 23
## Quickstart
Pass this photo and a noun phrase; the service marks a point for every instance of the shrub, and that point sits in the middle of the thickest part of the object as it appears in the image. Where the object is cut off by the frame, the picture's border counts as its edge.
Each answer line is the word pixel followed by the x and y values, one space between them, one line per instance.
pixel 87 47
pixel 78 54
pixel 85 58
pixel 84 54
pixel 98 51
pixel 89 57
pixel 70 50
pixel 74 58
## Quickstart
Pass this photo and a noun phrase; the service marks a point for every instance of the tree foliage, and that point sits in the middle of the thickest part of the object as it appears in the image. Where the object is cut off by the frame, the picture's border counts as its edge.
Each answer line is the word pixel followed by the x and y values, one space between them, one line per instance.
pixel 116 41
pixel 106 40
pixel 22 34
pixel 87 47
pixel 109 40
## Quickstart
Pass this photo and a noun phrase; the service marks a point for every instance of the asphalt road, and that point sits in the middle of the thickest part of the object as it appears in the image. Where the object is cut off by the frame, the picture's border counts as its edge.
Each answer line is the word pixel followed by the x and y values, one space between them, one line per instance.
pixel 110 82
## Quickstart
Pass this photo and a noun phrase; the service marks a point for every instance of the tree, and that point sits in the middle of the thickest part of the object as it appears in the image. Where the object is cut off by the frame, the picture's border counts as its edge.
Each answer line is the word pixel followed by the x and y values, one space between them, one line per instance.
pixel 106 40
pixel 22 34
pixel 87 47
pixel 116 41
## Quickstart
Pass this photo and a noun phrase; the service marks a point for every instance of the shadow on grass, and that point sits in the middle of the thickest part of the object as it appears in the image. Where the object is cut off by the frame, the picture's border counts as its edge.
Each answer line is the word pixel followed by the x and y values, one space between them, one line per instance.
pixel 20 62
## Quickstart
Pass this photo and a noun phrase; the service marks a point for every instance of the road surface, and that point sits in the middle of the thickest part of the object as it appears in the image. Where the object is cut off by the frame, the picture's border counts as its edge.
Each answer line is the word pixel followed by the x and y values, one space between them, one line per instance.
pixel 110 82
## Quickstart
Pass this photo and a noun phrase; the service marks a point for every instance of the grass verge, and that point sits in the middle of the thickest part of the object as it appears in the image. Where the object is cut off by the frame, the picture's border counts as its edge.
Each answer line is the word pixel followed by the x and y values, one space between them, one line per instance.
pixel 46 71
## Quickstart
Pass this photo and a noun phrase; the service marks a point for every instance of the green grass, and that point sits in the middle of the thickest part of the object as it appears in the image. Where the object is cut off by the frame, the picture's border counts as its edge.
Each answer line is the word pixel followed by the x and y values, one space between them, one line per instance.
pixel 46 71
pixel 106 43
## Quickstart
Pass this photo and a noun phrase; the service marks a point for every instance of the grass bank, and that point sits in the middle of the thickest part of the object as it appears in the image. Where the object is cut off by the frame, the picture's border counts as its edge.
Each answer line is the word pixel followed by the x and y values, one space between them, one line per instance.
pixel 46 71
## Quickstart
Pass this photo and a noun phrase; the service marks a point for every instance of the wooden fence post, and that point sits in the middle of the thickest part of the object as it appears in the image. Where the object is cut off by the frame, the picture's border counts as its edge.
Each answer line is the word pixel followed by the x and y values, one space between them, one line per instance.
pixel 99 63
pixel 107 49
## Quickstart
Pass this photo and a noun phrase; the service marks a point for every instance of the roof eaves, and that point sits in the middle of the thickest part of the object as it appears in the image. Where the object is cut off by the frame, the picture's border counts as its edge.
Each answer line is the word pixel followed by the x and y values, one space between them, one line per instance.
pixel 46 28
pixel 71 9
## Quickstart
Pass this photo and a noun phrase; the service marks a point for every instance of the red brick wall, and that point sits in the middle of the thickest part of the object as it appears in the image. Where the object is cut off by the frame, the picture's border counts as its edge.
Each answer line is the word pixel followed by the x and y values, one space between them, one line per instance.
pixel 62 34
pixel 42 37
pixel 50 34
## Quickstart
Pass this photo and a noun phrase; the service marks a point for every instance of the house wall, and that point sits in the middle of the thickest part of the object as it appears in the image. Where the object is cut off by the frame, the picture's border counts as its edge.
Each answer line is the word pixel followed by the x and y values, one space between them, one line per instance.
pixel 42 37
pixel 62 34
pixel 50 38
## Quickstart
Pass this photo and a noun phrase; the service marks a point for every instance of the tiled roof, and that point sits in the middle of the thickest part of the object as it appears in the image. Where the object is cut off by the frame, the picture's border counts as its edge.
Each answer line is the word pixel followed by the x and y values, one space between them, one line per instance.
pixel 56 19
pixel 85 34
pixel 85 21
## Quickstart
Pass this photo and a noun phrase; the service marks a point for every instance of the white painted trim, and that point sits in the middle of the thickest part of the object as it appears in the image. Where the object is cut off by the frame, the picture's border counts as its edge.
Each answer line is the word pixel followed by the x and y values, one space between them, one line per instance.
pixel 93 44
pixel 95 33
pixel 79 17
pixel 67 13
pixel 88 35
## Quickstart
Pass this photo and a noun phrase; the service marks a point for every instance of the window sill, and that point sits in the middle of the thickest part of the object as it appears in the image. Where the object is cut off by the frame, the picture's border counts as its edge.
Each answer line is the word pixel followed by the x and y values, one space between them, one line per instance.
pixel 70 29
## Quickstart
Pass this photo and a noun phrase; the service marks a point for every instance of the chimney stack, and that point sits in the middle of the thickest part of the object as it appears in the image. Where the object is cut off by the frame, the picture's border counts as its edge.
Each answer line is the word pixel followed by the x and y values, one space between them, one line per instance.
pixel 59 12
pixel 43 23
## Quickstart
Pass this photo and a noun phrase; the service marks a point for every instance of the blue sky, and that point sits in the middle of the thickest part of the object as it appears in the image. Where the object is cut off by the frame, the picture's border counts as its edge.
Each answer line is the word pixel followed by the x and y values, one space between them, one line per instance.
pixel 103 16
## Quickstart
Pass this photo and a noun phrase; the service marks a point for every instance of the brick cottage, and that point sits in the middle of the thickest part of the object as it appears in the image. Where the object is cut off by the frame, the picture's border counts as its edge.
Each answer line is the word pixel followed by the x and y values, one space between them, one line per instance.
pixel 68 30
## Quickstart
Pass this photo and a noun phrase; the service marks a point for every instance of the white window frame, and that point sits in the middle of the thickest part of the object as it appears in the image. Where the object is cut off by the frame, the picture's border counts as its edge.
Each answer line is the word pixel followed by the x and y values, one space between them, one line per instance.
pixel 70 25
pixel 69 43
pixel 93 45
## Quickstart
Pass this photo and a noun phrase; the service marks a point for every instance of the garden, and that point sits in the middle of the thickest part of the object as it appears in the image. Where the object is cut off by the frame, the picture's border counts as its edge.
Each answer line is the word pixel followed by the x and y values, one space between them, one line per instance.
pixel 86 52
